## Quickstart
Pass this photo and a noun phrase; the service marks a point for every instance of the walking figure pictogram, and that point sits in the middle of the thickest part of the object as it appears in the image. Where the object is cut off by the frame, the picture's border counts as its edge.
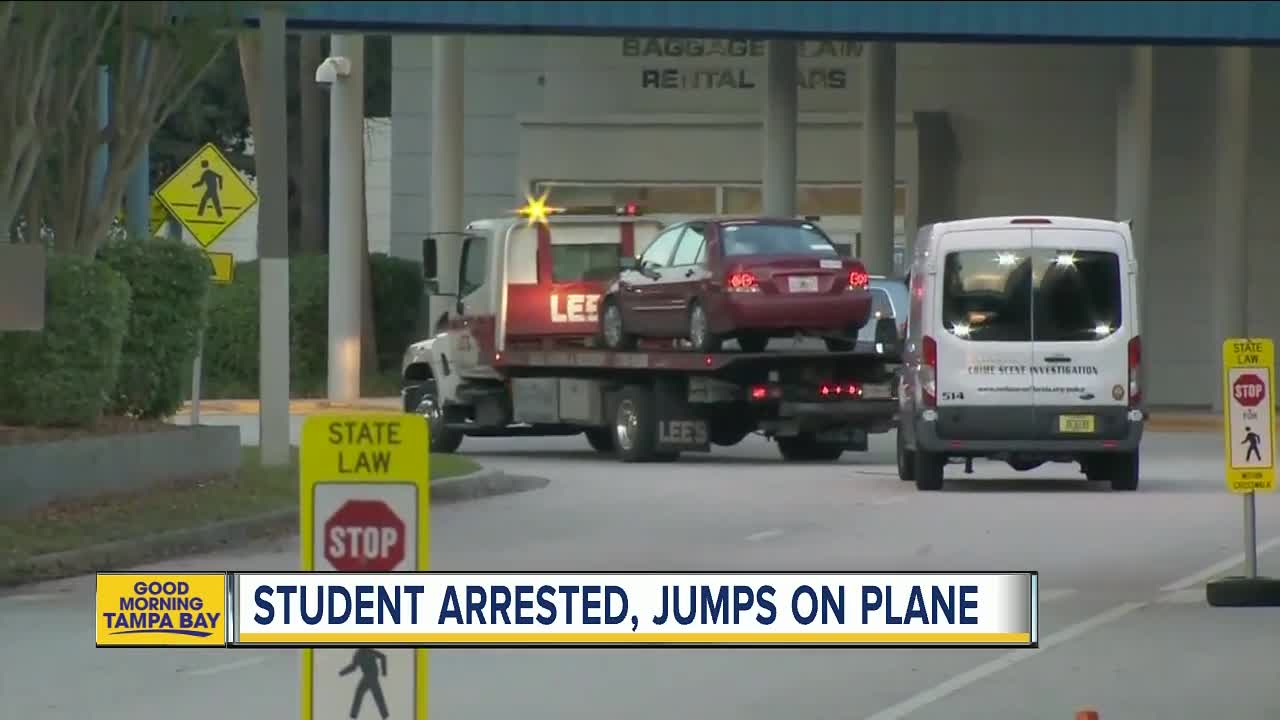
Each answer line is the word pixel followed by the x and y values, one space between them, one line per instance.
pixel 368 662
pixel 212 183
pixel 1252 439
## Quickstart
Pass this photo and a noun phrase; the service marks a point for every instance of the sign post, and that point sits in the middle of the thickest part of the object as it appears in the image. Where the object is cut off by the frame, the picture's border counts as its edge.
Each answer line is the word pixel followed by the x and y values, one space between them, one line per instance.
pixel 364 507
pixel 1249 432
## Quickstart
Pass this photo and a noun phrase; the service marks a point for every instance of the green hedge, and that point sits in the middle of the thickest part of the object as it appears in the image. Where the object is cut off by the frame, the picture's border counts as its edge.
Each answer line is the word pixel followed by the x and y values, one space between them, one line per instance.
pixel 231 341
pixel 170 281
pixel 65 374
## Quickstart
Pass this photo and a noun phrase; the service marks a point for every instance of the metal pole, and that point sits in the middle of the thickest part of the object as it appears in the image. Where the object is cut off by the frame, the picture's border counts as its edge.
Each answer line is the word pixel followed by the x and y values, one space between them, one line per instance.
pixel 273 244
pixel 1250 536
pixel 197 368
pixel 346 236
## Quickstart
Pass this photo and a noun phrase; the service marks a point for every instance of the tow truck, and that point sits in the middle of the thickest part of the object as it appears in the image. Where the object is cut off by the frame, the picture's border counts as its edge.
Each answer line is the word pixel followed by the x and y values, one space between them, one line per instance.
pixel 518 354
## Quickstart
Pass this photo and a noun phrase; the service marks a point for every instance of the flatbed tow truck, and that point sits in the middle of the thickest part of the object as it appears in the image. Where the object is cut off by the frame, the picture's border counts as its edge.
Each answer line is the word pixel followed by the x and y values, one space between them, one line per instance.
pixel 482 376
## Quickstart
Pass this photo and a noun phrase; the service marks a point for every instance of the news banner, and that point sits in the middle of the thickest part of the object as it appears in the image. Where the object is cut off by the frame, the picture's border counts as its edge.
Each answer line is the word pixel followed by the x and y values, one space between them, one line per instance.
pixel 460 610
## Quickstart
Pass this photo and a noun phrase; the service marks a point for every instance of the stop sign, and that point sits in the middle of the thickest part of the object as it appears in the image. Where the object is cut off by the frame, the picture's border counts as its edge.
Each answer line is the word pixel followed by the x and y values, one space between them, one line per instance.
pixel 1249 390
pixel 364 536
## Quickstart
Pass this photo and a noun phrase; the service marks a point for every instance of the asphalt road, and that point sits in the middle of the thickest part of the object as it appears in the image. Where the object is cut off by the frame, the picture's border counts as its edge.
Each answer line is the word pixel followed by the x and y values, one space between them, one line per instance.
pixel 1124 624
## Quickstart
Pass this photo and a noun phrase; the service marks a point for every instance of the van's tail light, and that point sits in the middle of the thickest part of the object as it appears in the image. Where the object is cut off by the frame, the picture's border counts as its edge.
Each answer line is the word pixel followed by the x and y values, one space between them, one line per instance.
pixel 929 372
pixel 858 277
pixel 742 282
pixel 1135 371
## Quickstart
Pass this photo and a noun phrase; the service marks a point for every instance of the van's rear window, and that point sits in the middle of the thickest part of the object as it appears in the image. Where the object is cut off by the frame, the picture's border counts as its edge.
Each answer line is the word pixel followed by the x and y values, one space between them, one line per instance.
pixel 1049 295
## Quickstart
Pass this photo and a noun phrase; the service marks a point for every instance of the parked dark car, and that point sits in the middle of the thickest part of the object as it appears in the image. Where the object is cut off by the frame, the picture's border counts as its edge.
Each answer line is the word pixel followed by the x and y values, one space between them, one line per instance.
pixel 747 279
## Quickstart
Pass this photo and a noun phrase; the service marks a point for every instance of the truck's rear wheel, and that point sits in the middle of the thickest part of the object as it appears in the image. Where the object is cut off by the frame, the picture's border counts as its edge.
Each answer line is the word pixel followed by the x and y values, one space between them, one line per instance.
pixel 634 425
pixel 600 439
pixel 806 448
pixel 906 460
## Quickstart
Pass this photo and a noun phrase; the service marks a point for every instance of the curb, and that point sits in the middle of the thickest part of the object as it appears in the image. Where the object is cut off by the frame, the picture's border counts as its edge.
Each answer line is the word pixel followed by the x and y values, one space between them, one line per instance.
pixel 1184 423
pixel 296 407
pixel 121 554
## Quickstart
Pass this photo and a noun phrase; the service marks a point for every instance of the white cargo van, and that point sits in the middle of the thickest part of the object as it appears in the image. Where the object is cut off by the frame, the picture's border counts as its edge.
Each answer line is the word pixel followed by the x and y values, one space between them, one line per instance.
pixel 1022 346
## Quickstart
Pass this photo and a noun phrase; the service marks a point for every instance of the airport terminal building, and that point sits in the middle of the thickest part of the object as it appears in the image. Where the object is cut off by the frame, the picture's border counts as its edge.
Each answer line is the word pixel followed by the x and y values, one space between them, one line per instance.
pixel 876 118
pixel 675 124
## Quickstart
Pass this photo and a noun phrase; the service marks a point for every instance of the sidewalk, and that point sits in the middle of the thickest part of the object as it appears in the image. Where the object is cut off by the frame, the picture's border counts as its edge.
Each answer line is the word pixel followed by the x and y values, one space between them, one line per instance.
pixel 296 407
pixel 1160 421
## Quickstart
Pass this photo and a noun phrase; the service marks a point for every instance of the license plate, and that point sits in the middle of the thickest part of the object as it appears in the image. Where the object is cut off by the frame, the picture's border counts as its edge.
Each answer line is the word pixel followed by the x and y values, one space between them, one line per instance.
pixel 1075 423
pixel 876 392
pixel 803 284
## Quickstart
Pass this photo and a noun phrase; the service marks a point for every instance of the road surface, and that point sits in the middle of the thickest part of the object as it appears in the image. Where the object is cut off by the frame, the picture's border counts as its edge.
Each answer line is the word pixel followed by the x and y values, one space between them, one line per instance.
pixel 1124 624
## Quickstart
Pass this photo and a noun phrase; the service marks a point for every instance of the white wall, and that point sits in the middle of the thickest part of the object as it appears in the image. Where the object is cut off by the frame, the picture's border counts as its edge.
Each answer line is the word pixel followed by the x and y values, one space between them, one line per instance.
pixel 242 238
pixel 1033 127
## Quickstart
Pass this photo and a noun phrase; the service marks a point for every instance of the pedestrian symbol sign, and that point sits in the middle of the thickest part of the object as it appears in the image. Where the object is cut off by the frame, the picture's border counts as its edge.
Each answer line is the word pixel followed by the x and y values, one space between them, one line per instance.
pixel 207 195
pixel 369 662
pixel 364 499
pixel 1248 404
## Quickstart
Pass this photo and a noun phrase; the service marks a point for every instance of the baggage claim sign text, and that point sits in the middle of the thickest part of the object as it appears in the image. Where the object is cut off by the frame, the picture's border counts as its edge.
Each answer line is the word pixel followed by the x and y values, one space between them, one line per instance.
pixel 719 77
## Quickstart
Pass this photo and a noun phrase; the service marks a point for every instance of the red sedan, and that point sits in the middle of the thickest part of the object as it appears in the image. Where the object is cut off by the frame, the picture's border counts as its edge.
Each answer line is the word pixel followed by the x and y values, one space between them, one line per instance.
pixel 750 280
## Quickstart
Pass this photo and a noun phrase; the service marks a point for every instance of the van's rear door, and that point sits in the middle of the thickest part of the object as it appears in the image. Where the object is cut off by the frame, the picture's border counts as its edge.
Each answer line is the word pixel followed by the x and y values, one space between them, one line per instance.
pixel 983 334
pixel 1080 332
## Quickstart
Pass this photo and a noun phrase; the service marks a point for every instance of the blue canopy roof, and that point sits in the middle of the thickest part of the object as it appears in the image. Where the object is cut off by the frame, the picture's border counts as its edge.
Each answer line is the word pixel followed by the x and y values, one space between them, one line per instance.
pixel 1152 22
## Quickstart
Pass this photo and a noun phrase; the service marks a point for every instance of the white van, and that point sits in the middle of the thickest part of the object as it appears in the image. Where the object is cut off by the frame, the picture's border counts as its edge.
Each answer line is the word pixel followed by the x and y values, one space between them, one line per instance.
pixel 1022 346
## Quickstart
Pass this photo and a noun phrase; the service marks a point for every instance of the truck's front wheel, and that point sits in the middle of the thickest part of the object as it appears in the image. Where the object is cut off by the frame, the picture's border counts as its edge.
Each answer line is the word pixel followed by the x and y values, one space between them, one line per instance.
pixel 443 440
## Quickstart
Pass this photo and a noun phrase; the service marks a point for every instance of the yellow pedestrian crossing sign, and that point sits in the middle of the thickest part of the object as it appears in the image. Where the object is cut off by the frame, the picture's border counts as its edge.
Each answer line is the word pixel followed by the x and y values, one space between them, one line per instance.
pixel 207 195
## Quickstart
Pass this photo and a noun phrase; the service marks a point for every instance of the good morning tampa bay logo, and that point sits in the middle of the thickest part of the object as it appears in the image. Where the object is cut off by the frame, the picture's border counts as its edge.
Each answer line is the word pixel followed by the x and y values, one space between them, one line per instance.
pixel 163 608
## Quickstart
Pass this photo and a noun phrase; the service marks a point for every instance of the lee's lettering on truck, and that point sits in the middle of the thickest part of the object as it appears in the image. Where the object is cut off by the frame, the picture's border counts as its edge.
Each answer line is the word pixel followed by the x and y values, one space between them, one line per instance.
pixel 348 437
pixel 449 610
pixel 574 308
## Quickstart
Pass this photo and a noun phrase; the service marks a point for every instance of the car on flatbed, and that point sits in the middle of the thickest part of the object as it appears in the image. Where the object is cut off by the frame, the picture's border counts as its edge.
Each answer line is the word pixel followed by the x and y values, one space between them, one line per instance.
pixel 519 355
pixel 749 279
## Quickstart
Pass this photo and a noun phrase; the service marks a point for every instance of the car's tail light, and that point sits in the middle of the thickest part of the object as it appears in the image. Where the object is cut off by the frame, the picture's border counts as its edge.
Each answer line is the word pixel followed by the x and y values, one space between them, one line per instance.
pixel 760 393
pixel 929 372
pixel 840 390
pixel 858 277
pixel 743 282
pixel 1135 370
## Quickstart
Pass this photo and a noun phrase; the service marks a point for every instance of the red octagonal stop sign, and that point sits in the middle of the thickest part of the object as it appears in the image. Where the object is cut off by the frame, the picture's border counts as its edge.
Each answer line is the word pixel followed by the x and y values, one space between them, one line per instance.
pixel 1249 390
pixel 364 536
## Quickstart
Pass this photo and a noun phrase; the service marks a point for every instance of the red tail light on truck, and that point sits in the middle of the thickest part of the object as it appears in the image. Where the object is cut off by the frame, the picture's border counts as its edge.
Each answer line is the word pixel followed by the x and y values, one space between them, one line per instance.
pixel 929 372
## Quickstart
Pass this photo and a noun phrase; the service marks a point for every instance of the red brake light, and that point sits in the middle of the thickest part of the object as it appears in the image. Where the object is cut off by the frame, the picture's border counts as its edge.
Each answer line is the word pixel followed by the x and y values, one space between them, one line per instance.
pixel 852 390
pixel 929 374
pixel 759 392
pixel 743 282
pixel 630 209
pixel 1135 368
pixel 858 277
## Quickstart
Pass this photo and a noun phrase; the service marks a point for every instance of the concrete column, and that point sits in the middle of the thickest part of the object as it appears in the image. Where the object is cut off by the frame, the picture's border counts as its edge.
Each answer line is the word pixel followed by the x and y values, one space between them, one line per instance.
pixel 879 132
pixel 1231 153
pixel 137 212
pixel 101 156
pixel 1133 164
pixel 447 115
pixel 271 148
pixel 782 101
pixel 346 218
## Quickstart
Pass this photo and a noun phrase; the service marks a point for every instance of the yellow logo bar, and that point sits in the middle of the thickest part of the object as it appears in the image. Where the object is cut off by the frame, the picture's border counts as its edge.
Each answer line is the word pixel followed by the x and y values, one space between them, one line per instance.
pixel 161 610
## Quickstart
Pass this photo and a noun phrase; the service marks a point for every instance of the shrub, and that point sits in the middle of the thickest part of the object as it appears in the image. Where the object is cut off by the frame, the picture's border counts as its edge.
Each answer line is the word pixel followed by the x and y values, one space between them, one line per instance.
pixel 64 374
pixel 170 281
pixel 231 341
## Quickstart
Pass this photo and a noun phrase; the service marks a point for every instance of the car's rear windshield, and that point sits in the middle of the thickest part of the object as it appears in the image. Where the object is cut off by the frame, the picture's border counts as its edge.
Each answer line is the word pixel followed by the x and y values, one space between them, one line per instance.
pixel 775 239
pixel 1046 295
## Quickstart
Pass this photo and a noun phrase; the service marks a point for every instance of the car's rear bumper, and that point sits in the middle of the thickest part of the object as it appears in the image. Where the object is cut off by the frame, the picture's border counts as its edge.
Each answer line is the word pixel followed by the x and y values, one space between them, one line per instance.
pixel 989 430
pixel 765 311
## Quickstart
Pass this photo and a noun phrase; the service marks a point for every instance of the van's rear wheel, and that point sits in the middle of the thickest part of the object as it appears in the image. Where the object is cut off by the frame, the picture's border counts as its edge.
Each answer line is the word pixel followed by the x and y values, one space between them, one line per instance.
pixel 929 470
pixel 1121 470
